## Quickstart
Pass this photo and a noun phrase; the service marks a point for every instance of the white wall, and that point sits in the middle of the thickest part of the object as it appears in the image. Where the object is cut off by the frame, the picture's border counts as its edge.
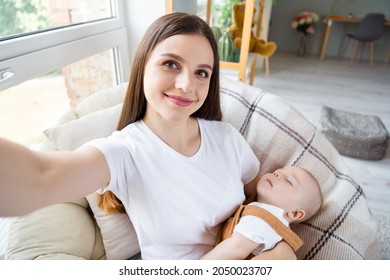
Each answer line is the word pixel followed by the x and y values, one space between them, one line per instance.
pixel 186 6
pixel 139 15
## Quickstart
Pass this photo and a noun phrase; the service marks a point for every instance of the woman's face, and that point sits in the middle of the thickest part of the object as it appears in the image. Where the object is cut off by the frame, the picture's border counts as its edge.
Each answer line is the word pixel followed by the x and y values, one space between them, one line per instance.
pixel 177 77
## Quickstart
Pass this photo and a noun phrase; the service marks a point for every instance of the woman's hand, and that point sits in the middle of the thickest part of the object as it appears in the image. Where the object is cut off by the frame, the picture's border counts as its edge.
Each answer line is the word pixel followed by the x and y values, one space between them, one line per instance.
pixel 282 251
pixel 30 180
pixel 250 190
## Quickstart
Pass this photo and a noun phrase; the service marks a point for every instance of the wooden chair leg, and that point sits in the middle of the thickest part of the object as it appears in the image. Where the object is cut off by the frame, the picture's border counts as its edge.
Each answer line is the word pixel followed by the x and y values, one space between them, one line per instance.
pixel 362 51
pixel 267 66
pixel 372 54
pixel 344 48
pixel 354 53
pixel 388 56
pixel 253 71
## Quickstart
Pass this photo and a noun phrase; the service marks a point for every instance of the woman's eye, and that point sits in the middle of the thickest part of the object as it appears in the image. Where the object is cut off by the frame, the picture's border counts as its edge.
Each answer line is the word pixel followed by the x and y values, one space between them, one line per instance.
pixel 171 64
pixel 203 74
pixel 288 181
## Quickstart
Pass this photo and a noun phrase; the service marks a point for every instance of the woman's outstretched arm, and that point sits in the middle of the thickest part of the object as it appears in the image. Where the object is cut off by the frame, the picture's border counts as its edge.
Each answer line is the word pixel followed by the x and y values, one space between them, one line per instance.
pixel 30 180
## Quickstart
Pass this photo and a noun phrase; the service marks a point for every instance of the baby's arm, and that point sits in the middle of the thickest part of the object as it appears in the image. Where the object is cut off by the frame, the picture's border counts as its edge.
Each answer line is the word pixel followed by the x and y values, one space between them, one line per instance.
pixel 237 247
pixel 282 251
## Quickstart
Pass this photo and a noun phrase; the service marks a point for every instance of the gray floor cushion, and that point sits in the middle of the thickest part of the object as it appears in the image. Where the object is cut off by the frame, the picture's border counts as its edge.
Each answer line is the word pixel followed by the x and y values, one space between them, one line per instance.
pixel 355 135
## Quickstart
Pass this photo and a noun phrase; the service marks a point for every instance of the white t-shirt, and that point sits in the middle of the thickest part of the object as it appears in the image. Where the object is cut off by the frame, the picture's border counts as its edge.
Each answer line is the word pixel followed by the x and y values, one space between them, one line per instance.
pixel 259 231
pixel 176 203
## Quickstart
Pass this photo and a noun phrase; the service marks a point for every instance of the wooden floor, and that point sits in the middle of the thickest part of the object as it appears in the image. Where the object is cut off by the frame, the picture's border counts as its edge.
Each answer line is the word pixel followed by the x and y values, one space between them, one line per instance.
pixel 309 84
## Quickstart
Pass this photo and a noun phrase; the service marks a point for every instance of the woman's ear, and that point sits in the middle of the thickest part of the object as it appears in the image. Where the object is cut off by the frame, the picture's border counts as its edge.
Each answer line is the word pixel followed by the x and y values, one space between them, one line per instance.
pixel 296 215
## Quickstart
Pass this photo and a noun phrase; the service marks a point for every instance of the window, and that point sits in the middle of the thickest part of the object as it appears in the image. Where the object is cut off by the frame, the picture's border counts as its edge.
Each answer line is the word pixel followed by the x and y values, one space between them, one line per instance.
pixel 22 17
pixel 77 57
pixel 34 54
pixel 29 108
pixel 46 98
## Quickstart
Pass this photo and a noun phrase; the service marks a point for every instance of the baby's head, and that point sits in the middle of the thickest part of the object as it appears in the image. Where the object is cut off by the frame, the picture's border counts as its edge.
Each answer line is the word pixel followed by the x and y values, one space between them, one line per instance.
pixel 293 189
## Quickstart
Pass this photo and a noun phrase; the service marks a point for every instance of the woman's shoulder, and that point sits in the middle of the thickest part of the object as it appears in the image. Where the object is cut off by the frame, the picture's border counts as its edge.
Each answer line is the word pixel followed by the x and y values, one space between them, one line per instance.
pixel 218 125
pixel 130 129
pixel 222 132
pixel 126 135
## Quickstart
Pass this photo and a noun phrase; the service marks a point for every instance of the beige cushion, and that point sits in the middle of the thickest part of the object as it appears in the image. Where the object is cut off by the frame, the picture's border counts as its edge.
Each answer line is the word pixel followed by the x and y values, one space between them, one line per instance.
pixel 61 231
pixel 119 238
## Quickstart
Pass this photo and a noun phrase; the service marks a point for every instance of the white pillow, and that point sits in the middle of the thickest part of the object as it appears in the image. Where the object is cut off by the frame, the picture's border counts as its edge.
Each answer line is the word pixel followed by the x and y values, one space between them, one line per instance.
pixel 119 237
pixel 71 135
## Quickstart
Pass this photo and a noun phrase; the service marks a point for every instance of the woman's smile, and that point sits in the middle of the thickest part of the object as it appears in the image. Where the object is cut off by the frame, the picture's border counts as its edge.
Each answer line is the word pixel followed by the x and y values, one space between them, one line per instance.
pixel 180 101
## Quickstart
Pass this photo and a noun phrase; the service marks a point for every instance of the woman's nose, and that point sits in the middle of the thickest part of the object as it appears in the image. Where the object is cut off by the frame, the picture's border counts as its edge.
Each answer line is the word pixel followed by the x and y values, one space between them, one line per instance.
pixel 184 82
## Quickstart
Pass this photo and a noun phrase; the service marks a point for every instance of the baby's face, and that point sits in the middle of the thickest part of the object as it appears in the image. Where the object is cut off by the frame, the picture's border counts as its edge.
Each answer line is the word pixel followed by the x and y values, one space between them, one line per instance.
pixel 288 188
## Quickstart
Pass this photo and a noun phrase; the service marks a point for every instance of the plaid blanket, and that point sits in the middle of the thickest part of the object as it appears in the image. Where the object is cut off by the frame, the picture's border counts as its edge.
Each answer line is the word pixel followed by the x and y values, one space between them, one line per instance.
pixel 280 135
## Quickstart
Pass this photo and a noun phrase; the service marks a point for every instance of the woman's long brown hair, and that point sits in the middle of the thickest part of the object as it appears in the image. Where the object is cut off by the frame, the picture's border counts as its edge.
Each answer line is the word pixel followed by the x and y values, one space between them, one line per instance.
pixel 134 105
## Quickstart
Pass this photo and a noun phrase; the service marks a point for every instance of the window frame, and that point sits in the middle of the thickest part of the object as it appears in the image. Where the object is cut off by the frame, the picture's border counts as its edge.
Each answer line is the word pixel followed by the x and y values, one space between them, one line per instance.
pixel 34 55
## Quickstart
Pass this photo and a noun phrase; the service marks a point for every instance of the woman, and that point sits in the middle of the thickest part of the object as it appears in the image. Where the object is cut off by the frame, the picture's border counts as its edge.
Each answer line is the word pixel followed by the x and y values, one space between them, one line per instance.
pixel 170 161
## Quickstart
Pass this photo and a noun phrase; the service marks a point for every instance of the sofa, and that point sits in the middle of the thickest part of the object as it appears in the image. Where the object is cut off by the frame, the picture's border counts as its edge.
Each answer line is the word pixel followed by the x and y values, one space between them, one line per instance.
pixel 278 134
